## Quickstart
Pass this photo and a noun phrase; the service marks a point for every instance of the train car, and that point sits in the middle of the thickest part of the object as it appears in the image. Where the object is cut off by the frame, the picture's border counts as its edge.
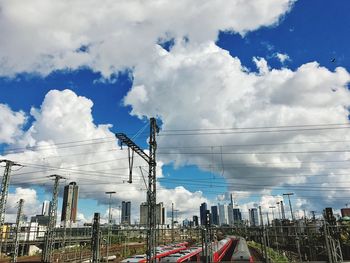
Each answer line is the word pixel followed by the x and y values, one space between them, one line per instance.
pixel 133 259
pixel 241 252
pixel 188 255
pixel 221 249
pixel 161 252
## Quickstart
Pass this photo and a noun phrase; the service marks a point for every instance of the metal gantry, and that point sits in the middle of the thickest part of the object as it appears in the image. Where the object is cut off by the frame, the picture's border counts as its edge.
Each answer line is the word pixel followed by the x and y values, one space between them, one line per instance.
pixel 50 233
pixel 4 193
pixel 151 189
pixel 18 228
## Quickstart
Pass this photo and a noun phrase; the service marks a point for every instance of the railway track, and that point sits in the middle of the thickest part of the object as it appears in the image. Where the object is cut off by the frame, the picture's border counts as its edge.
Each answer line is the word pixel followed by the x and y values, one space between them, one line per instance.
pixel 79 256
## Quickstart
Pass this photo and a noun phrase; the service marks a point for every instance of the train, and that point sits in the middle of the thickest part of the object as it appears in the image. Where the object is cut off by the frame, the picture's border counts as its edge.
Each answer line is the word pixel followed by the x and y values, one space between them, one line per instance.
pixel 162 251
pixel 241 252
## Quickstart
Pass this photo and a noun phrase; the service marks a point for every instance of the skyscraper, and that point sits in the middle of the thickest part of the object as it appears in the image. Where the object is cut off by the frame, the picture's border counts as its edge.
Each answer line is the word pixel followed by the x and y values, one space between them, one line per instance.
pixel 70 203
pixel 202 213
pixel 230 214
pixel 253 217
pixel 223 214
pixel 195 220
pixel 215 215
pixel 160 214
pixel 143 213
pixel 45 208
pixel 126 210
pixel 237 216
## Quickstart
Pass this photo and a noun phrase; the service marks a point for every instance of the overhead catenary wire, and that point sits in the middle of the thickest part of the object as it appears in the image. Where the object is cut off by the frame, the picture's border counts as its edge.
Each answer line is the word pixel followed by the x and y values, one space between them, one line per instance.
pixel 259 127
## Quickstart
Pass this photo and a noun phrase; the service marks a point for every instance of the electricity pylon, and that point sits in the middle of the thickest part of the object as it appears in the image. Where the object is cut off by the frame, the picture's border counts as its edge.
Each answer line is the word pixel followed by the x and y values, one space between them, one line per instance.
pixel 151 189
pixel 18 228
pixel 4 193
pixel 50 232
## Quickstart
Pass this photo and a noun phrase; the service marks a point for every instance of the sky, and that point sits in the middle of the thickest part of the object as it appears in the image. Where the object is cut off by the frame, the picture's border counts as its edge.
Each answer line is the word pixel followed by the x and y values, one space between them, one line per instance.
pixel 252 99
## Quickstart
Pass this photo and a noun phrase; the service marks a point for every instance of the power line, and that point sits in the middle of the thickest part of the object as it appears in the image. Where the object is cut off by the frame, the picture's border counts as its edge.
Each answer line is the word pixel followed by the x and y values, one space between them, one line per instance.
pixel 251 145
pixel 263 153
pixel 259 127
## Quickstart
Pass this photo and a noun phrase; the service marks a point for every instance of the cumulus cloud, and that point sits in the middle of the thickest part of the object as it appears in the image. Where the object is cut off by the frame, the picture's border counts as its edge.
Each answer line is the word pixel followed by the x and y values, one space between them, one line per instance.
pixel 64 140
pixel 10 124
pixel 205 89
pixel 31 205
pixel 109 36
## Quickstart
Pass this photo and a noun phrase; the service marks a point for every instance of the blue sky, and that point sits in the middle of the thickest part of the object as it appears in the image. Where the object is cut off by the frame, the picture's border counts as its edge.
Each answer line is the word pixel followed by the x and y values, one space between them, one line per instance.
pixel 127 84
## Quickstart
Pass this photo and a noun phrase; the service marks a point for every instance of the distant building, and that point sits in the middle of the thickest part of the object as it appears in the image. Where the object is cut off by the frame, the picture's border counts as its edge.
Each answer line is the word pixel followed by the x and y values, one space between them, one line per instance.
pixel 164 216
pixel 345 212
pixel 237 216
pixel 161 217
pixel 186 223
pixel 328 215
pixel 126 213
pixel 143 213
pixel 223 215
pixel 70 203
pixel 45 208
pixel 160 214
pixel 230 214
pixel 41 220
pixel 195 221
pixel 253 217
pixel 215 215
pixel 202 212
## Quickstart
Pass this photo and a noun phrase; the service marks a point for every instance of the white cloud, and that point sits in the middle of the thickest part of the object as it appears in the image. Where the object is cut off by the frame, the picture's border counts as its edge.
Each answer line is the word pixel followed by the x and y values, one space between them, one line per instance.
pixel 205 88
pixel 282 57
pixel 10 124
pixel 109 35
pixel 93 157
pixel 31 205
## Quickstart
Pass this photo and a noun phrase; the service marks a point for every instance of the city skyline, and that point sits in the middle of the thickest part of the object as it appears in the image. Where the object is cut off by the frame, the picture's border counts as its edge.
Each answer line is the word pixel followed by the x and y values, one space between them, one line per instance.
pixel 249 102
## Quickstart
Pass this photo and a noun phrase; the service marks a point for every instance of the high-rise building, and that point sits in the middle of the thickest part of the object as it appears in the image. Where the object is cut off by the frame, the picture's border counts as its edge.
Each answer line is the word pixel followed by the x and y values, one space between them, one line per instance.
pixel 70 203
pixel 160 214
pixel 126 212
pixel 195 221
pixel 215 215
pixel 237 216
pixel 223 214
pixel 164 216
pixel 230 214
pixel 253 217
pixel 45 208
pixel 143 213
pixel 202 212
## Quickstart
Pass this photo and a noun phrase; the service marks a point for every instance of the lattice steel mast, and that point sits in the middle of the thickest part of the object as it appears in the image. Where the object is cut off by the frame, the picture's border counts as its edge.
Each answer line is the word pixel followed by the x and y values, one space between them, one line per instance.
pixel 4 193
pixel 50 233
pixel 151 190
pixel 18 228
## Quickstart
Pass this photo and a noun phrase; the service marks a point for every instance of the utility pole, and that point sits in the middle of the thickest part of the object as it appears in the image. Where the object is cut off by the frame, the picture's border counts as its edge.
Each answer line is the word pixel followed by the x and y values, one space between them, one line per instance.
pixel 50 232
pixel 4 193
pixel 95 239
pixel 151 189
pixel 313 215
pixel 264 235
pixel 279 210
pixel 109 222
pixel 172 222
pixel 18 222
pixel 290 204
pixel 282 210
